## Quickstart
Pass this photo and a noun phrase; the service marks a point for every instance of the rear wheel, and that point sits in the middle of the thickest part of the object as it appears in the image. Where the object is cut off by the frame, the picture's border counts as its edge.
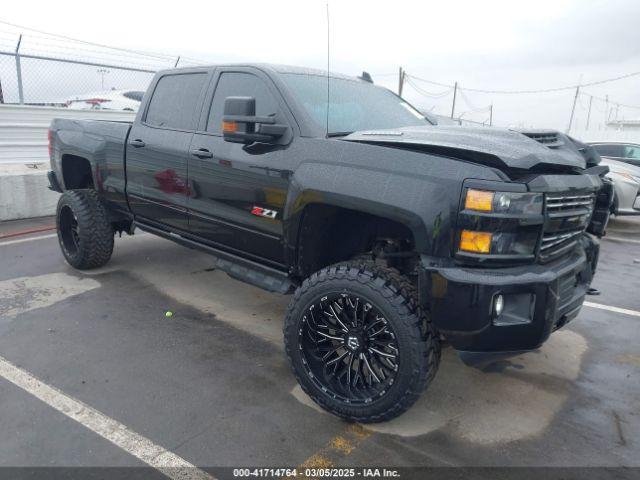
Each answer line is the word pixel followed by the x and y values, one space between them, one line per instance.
pixel 84 231
pixel 357 342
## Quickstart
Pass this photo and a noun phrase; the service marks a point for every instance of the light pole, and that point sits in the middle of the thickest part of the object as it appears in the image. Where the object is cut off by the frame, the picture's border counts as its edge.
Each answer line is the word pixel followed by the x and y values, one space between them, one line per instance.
pixel 102 72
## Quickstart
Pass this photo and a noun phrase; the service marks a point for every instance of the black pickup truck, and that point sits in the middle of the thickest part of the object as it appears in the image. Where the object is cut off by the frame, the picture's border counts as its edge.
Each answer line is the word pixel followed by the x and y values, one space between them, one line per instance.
pixel 394 234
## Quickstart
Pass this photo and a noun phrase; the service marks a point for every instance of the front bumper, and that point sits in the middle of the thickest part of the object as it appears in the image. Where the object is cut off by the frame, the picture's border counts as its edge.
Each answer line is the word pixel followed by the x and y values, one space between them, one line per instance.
pixel 538 300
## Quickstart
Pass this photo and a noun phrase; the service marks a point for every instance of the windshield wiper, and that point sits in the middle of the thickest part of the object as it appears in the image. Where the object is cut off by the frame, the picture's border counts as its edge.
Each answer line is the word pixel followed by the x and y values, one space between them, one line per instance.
pixel 338 134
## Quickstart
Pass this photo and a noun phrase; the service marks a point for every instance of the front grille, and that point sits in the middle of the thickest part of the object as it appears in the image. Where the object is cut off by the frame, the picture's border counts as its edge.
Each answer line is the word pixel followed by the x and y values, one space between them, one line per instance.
pixel 561 203
pixel 566 217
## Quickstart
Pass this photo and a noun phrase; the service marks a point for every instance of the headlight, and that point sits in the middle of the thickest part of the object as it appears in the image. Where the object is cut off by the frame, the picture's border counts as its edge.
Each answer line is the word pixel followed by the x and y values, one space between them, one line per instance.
pixel 500 225
pixel 476 242
pixel 522 242
pixel 503 202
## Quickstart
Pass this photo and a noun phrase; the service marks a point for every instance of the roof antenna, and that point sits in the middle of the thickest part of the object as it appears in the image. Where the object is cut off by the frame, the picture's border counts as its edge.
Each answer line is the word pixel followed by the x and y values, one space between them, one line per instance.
pixel 328 74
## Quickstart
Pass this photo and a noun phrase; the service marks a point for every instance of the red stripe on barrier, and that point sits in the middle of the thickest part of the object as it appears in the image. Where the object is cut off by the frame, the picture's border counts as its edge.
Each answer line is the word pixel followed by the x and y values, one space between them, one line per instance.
pixel 27 232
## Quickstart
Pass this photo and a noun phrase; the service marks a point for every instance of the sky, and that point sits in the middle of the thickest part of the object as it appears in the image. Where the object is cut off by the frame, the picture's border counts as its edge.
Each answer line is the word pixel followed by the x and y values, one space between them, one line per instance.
pixel 489 45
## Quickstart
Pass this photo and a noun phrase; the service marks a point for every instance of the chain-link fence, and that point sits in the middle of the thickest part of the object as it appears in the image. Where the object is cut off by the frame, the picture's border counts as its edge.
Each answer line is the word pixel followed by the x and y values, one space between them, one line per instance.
pixel 43 69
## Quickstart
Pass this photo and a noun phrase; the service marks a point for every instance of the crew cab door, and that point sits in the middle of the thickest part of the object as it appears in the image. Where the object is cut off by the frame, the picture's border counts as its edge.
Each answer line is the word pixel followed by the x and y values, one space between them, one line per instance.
pixel 158 148
pixel 239 191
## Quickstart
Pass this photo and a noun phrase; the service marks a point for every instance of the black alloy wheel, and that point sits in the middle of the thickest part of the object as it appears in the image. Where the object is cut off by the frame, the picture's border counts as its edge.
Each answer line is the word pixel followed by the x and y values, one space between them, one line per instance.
pixel 69 231
pixel 357 342
pixel 349 349
pixel 85 233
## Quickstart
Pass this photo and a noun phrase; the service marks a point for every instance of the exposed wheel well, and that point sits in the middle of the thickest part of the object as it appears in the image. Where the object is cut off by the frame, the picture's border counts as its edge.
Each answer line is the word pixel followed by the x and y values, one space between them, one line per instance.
pixel 76 172
pixel 330 234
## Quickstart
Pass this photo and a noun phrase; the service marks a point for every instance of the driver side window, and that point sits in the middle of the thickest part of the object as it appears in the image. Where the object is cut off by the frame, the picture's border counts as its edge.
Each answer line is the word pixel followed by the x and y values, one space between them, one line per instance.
pixel 237 84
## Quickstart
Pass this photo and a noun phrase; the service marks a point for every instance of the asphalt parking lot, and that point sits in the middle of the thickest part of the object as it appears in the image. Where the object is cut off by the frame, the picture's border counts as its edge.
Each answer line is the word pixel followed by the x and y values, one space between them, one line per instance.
pixel 92 373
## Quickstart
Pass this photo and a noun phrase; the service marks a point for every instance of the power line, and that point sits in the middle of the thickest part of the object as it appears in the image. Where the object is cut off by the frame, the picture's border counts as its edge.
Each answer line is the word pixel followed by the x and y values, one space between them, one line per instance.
pixel 156 55
pixel 542 90
pixel 637 107
pixel 429 81
pixel 473 107
pixel 426 93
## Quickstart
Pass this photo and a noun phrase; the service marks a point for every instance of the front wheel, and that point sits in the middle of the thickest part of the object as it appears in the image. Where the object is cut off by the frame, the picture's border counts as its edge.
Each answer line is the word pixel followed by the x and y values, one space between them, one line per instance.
pixel 84 231
pixel 357 342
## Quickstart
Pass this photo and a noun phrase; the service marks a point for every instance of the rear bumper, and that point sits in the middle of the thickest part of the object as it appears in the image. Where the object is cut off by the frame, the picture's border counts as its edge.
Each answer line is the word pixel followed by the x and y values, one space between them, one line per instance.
pixel 538 299
pixel 53 182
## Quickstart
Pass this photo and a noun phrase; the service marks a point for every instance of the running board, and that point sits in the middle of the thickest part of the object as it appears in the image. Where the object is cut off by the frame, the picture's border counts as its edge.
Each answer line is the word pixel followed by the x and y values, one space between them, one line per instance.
pixel 236 267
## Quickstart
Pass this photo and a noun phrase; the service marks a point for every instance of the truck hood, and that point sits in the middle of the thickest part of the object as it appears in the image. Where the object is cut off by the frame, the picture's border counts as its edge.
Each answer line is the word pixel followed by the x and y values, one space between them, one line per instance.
pixel 523 150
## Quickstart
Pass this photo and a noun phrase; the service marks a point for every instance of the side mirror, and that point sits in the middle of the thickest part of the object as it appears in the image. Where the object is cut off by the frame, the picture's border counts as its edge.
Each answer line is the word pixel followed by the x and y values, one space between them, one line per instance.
pixel 241 125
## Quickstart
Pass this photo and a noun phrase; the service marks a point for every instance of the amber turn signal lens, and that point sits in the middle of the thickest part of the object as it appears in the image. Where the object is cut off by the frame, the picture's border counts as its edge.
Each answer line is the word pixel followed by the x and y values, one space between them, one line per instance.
pixel 229 127
pixel 476 242
pixel 479 200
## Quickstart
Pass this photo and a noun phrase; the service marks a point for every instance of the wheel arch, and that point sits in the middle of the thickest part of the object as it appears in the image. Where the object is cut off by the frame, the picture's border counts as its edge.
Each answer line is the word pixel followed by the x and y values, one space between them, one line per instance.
pixel 423 203
pixel 77 172
pixel 330 228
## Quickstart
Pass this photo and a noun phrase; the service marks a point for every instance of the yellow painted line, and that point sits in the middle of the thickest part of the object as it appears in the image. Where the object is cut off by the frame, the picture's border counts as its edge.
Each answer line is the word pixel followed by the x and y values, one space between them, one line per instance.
pixel 338 448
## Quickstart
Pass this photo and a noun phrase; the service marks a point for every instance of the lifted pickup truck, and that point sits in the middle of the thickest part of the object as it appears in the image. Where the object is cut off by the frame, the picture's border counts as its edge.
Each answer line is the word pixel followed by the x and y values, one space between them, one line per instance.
pixel 395 234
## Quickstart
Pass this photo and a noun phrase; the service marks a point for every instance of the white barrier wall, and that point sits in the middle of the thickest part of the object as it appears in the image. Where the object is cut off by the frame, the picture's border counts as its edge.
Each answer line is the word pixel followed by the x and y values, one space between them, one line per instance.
pixel 23 129
pixel 24 193
pixel 631 136
pixel 23 142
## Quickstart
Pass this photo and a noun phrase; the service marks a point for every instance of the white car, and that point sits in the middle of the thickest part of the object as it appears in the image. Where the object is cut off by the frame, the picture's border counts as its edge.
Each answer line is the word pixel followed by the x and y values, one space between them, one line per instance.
pixel 623 160
pixel 126 100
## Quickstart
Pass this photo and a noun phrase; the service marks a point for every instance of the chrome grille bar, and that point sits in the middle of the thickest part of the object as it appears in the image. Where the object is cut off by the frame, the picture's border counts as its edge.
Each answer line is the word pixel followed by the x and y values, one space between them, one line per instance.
pixel 553 240
pixel 556 241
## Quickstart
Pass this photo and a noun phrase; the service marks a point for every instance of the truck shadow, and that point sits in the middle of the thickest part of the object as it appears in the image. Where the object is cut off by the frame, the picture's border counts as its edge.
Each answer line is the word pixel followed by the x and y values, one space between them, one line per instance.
pixel 505 400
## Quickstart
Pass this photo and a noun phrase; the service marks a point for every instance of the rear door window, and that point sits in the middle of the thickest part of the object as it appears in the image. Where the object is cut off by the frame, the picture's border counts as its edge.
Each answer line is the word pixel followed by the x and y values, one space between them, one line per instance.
pixel 175 100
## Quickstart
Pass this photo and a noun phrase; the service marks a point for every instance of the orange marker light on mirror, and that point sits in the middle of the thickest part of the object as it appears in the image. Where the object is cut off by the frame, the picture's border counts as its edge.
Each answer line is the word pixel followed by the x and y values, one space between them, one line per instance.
pixel 475 242
pixel 230 127
pixel 480 200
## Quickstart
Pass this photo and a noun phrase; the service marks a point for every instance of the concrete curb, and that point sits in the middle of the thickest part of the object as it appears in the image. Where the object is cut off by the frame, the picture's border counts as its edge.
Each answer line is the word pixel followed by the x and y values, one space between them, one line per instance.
pixel 24 193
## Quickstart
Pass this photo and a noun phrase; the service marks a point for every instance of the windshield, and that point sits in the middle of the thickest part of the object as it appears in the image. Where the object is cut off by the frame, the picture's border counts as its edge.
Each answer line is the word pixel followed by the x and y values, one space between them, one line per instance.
pixel 354 105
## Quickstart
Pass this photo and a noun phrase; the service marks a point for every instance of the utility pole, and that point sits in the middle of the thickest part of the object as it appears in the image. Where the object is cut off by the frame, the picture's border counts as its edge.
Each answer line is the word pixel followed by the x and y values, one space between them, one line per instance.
pixel 102 72
pixel 19 72
pixel 401 75
pixel 573 108
pixel 453 105
pixel 491 115
pixel 589 112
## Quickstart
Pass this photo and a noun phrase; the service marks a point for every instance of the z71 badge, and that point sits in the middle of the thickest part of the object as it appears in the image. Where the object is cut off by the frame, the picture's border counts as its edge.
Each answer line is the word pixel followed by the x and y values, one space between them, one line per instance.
pixel 264 212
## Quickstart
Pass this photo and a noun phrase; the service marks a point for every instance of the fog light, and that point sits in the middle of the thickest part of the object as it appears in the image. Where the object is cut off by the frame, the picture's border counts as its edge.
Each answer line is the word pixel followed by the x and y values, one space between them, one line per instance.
pixel 498 305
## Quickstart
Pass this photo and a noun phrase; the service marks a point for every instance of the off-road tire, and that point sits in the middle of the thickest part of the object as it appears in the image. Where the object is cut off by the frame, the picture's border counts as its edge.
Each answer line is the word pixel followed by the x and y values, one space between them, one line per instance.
pixel 395 296
pixel 91 245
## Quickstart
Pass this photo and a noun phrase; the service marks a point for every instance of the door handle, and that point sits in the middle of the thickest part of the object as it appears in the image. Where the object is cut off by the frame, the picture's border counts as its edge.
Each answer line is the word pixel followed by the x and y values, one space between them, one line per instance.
pixel 137 143
pixel 201 153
